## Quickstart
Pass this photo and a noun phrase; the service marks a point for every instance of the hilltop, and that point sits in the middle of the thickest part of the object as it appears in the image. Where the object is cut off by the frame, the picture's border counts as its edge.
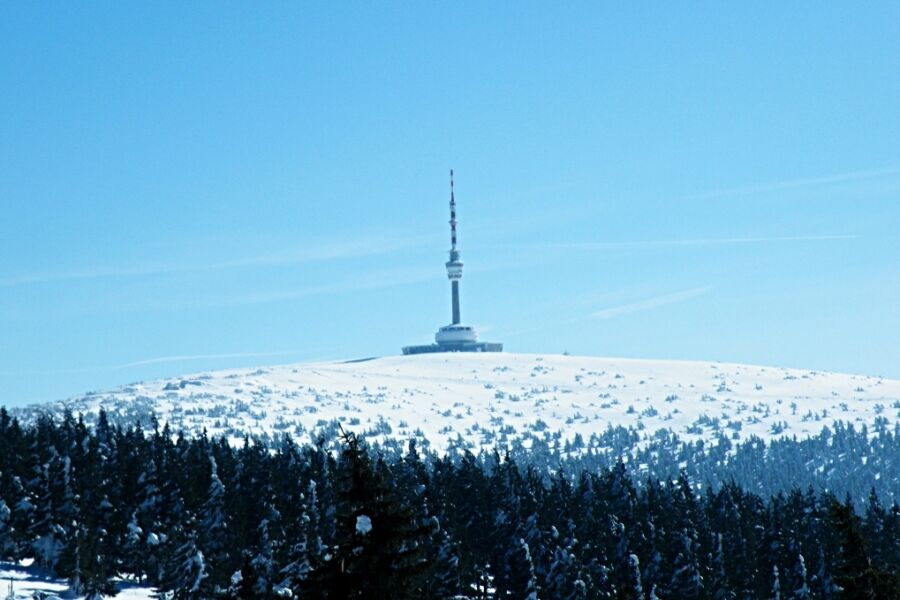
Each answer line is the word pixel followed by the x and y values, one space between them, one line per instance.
pixel 486 400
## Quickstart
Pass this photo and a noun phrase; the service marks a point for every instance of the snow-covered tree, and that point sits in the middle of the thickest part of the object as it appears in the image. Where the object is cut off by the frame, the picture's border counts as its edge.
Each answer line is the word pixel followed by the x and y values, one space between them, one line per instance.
pixel 7 547
pixel 263 563
pixel 719 587
pixel 184 573
pixel 775 593
pixel 56 511
pixel 798 588
pixel 444 580
pixel 687 583
pixel 520 581
pixel 213 525
pixel 89 573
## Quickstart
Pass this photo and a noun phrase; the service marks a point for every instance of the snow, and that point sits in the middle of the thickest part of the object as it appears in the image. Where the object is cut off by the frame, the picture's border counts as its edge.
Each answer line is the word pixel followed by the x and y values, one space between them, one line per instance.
pixel 485 398
pixel 363 524
pixel 28 581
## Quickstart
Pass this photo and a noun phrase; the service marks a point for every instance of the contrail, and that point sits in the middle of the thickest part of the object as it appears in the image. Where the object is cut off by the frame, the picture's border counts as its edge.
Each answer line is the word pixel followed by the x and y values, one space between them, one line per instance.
pixel 190 357
pixel 707 242
pixel 790 184
pixel 159 360
pixel 358 248
pixel 650 303
pixel 620 310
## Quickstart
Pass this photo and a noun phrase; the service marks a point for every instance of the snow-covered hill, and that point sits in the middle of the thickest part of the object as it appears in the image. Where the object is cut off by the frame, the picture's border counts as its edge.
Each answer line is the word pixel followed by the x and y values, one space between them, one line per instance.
pixel 491 398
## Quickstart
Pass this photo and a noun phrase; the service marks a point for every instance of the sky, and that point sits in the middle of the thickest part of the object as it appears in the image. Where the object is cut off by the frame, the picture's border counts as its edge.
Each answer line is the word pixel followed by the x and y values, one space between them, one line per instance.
pixel 186 187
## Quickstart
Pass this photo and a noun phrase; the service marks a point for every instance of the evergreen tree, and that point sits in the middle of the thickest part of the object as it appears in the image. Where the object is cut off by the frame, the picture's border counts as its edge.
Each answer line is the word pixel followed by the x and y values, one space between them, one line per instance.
pixel 873 528
pixel 56 511
pixel 149 498
pixel 854 574
pixel 719 587
pixel 891 548
pixel 90 574
pixel 627 571
pixel 134 553
pixel 22 518
pixel 564 578
pixel 7 546
pixel 519 579
pixel 631 588
pixel 468 516
pixel 243 583
pixel 263 563
pixel 775 594
pixel 687 584
pixel 213 527
pixel 511 563
pixel 306 549
pixel 797 584
pixel 444 581
pixel 184 572
pixel 145 531
pixel 378 544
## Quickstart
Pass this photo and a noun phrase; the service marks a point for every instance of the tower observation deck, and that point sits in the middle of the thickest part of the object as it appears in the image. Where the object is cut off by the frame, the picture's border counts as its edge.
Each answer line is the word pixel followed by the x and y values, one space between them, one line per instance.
pixel 454 337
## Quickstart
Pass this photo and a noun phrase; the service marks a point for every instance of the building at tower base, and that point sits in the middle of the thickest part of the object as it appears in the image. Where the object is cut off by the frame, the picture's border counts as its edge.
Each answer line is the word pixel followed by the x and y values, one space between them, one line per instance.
pixel 454 337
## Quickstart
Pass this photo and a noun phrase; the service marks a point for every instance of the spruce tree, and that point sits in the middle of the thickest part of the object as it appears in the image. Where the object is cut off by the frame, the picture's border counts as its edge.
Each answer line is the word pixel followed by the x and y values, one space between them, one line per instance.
pixel 90 572
pixel 719 587
pixel 263 563
pixel 213 527
pixel 134 555
pixel 775 593
pixel 145 531
pixel 468 517
pixel 687 583
pixel 56 512
pixel 520 582
pixel 22 520
pixel 377 549
pixel 184 574
pixel 444 581
pixel 798 582
pixel 305 546
pixel 564 579
pixel 854 574
pixel 873 528
pixel 631 587
pixel 7 547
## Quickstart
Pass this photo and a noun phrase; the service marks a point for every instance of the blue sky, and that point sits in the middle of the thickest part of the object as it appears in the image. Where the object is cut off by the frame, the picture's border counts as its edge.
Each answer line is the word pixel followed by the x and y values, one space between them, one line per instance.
pixel 192 187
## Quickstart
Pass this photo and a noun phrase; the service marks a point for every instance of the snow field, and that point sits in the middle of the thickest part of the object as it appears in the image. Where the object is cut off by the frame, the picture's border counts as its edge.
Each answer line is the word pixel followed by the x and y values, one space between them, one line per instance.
pixel 490 398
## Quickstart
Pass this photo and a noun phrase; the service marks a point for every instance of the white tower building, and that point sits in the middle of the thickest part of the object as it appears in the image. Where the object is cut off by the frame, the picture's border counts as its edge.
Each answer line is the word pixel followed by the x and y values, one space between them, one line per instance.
pixel 454 337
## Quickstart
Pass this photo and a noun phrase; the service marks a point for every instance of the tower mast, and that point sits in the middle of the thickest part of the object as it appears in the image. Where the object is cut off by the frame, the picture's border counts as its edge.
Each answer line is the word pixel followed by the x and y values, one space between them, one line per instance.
pixel 454 265
pixel 454 337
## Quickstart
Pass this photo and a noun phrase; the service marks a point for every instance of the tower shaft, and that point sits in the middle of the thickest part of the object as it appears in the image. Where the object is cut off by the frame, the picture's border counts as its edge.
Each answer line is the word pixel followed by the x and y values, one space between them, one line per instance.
pixel 454 265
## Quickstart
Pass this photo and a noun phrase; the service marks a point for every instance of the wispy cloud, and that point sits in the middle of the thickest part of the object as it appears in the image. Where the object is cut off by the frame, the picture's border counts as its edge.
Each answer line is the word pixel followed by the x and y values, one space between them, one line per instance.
pixel 371 281
pixel 179 358
pixel 650 303
pixel 193 357
pixel 791 184
pixel 355 248
pixel 613 311
pixel 733 241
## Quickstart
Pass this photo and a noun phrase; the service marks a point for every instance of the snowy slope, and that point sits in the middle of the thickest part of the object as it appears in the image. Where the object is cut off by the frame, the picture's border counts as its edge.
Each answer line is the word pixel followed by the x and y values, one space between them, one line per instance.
pixel 489 397
pixel 27 582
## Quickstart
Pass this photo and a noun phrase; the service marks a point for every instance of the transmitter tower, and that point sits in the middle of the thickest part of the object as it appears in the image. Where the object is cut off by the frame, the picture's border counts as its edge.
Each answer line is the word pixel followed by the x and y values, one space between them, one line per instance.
pixel 454 337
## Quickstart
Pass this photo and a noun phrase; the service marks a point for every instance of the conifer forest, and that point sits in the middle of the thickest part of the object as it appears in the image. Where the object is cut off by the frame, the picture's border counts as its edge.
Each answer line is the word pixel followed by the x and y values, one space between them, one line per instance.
pixel 342 518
